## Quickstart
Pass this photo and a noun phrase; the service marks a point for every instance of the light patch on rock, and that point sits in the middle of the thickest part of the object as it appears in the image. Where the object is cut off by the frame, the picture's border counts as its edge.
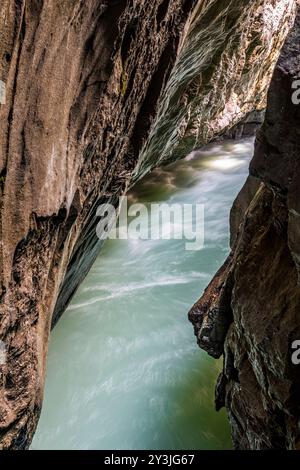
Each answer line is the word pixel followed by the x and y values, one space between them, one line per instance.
pixel 2 92
pixel 2 353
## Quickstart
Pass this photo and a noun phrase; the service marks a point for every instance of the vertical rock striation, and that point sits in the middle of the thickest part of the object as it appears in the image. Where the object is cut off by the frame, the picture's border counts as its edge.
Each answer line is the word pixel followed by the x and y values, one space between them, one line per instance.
pixel 97 93
pixel 250 311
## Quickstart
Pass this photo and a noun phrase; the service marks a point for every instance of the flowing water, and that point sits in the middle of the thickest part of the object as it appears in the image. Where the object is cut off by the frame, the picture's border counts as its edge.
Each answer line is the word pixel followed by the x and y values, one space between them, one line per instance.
pixel 124 370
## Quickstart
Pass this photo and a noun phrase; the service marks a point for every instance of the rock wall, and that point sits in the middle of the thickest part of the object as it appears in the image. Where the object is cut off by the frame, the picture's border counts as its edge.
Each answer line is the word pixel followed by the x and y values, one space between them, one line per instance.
pixel 250 311
pixel 97 93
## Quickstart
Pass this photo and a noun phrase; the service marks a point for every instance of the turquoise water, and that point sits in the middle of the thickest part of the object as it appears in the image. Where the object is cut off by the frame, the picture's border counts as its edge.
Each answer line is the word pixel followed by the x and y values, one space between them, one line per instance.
pixel 124 370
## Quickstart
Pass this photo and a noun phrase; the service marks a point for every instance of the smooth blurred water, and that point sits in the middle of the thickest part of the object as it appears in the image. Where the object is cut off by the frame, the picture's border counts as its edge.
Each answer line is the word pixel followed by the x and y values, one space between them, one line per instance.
pixel 124 370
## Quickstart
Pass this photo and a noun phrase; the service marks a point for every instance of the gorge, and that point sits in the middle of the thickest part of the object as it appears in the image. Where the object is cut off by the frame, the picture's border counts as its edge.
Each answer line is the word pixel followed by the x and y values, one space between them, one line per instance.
pixel 123 369
pixel 97 94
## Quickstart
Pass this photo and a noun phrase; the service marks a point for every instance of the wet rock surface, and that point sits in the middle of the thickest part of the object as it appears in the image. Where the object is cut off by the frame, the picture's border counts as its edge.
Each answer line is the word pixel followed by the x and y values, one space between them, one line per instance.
pixel 97 93
pixel 260 385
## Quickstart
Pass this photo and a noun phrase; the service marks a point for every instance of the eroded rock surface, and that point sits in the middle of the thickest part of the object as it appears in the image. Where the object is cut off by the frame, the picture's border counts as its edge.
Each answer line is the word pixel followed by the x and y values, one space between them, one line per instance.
pixel 97 93
pixel 260 319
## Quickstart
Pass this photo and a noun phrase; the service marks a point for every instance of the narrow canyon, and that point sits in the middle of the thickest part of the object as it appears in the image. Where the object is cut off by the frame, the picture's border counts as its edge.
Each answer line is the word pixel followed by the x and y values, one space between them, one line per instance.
pixel 94 95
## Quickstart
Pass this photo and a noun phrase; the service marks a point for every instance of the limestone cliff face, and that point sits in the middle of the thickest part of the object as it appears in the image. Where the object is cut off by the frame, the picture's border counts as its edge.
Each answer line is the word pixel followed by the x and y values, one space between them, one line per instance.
pixel 97 93
pixel 250 311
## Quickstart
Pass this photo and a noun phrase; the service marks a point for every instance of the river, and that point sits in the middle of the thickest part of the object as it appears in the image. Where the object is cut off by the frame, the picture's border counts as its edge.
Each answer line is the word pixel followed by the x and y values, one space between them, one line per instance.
pixel 124 370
